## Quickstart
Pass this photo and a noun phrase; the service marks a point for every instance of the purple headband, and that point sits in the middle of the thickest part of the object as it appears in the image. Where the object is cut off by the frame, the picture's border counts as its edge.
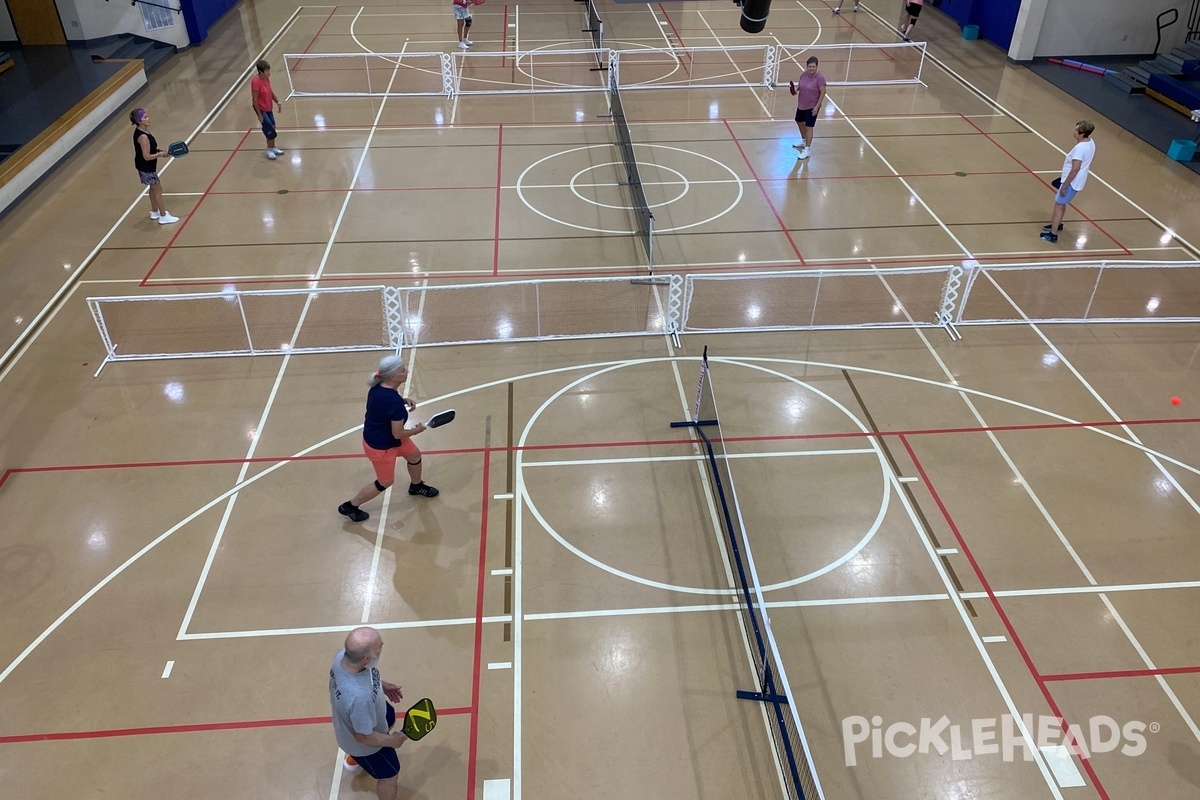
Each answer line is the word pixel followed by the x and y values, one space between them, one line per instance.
pixel 141 114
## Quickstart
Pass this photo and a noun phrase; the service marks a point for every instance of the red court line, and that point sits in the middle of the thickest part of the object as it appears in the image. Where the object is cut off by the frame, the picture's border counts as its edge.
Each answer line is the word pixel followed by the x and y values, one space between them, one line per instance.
pixel 614 444
pixel 193 728
pixel 504 37
pixel 192 213
pixel 674 30
pixel 1121 673
pixel 499 183
pixel 766 196
pixel 999 609
pixel 320 29
pixel 483 529
pixel 896 261
pixel 988 136
pixel 358 189
pixel 889 175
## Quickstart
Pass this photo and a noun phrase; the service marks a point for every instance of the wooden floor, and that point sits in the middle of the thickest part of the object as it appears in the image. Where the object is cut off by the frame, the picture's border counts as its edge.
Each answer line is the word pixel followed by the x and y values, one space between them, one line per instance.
pixel 959 543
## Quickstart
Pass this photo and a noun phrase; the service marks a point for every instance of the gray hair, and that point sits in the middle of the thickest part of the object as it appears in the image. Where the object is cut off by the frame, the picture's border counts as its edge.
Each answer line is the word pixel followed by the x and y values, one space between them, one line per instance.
pixel 389 366
pixel 359 643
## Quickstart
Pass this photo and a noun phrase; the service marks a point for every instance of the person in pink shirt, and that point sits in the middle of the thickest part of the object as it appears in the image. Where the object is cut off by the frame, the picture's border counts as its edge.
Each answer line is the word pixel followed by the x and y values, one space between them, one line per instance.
pixel 261 97
pixel 810 96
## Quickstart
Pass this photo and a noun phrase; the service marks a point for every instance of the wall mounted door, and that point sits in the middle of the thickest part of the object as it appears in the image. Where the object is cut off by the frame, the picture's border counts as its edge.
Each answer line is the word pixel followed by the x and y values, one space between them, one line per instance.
pixel 36 22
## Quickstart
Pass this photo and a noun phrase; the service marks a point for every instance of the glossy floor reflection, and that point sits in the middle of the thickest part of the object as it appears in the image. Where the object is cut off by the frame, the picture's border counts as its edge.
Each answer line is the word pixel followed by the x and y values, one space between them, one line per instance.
pixel 980 531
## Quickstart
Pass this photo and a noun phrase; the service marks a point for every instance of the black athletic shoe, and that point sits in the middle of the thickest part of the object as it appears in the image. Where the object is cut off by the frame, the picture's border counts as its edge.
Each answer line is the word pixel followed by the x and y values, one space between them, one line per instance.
pixel 1046 228
pixel 1049 237
pixel 423 489
pixel 355 513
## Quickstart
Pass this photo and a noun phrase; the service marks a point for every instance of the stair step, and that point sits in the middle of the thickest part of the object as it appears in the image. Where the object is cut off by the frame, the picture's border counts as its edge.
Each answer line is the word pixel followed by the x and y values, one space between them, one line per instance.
pixel 1154 67
pixel 1191 48
pixel 1125 83
pixel 1171 61
pixel 1138 74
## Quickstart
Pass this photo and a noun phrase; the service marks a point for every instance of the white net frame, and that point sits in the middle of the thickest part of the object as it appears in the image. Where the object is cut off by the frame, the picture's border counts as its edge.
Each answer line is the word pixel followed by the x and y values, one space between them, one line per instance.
pixel 574 70
pixel 435 70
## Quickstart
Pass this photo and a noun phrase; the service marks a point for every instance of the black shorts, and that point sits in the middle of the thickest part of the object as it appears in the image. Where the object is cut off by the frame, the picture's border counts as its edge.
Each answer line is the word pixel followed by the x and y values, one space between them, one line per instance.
pixel 914 10
pixel 384 763
pixel 807 117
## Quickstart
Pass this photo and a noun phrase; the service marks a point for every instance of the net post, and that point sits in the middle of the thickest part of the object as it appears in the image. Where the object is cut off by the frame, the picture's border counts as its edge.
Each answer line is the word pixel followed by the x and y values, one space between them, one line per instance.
pixel 973 270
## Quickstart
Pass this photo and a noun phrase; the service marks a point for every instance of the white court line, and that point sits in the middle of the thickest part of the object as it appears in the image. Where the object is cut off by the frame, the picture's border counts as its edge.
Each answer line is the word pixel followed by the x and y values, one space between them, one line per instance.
pixel 496 789
pixel 499 665
pixel 167 669
pixel 908 479
pixel 376 552
pixel 502 572
pixel 591 462
pixel 21 343
pixel 995 104
pixel 323 629
pixel 335 788
pixel 220 534
pixel 1063 766
pixel 757 95
pixel 503 496
pixel 994 639
pixel 980 648
pixel 947 551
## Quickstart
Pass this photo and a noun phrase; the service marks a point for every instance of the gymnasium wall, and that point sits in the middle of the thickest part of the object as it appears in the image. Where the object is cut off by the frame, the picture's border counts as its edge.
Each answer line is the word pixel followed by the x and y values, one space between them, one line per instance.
pixel 1094 27
pixel 85 20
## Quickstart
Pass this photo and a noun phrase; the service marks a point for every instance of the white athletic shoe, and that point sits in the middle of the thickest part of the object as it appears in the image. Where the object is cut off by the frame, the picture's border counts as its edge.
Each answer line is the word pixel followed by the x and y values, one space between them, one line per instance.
pixel 278 151
pixel 803 153
pixel 167 219
pixel 271 155
pixel 468 42
pixel 463 45
pixel 350 765
pixel 154 215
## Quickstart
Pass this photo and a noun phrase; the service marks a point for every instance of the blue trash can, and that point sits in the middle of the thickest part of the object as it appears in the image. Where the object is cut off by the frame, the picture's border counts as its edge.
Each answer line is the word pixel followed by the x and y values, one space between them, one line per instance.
pixel 970 32
pixel 1181 149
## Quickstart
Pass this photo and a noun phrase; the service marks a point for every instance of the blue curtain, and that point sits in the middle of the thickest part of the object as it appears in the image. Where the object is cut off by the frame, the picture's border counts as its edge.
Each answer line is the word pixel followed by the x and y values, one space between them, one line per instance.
pixel 200 15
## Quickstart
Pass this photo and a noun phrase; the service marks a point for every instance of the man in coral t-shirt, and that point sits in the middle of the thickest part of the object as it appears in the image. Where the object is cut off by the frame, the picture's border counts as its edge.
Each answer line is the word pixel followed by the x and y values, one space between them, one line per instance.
pixel 261 97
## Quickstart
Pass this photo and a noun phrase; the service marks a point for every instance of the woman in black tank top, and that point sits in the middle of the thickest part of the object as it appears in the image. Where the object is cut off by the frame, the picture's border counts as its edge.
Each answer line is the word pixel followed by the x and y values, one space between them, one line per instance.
pixel 145 158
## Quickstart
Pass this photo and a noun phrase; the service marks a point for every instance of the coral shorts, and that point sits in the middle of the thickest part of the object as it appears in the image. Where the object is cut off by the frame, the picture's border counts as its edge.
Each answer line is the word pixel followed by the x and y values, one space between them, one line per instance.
pixel 384 461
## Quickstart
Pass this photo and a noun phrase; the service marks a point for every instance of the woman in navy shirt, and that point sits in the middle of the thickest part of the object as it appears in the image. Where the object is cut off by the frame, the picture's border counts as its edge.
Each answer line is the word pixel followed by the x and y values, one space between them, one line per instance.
pixel 385 438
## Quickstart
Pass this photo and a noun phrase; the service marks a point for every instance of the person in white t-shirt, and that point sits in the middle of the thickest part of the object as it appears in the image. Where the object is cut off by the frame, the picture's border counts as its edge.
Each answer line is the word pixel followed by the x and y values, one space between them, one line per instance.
pixel 1074 177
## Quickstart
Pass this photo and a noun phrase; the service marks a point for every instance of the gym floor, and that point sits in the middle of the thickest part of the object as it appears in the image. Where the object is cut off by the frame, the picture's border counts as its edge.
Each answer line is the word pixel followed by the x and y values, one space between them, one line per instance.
pixel 969 529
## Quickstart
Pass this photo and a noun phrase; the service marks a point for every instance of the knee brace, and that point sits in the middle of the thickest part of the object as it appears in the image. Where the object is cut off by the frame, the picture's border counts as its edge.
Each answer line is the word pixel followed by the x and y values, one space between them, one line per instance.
pixel 413 463
pixel 380 486
pixel 467 24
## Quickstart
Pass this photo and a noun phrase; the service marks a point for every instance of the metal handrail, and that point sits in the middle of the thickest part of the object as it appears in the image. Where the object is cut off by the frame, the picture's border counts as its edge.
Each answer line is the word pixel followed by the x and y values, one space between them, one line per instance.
pixel 155 5
pixel 1158 21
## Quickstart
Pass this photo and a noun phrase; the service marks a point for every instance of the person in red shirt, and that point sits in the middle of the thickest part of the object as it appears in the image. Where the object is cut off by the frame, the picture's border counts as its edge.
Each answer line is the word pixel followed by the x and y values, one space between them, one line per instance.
pixel 261 97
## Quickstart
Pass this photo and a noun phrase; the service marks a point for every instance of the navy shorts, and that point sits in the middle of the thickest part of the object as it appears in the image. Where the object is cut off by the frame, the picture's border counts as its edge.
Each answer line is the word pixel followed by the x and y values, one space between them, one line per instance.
pixel 384 763
pixel 268 124
pixel 806 117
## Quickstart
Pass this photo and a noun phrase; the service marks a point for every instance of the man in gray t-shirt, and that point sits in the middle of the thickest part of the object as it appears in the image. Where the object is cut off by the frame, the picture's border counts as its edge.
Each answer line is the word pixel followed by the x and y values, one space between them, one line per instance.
pixel 362 715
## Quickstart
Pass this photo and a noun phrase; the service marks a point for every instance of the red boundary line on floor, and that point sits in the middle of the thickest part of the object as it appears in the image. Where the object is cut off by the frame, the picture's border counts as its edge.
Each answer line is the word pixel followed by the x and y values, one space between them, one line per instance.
pixel 192 213
pixel 767 197
pixel 200 727
pixel 1091 221
pixel 631 272
pixel 674 30
pixel 1121 673
pixel 1008 625
pixel 593 445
